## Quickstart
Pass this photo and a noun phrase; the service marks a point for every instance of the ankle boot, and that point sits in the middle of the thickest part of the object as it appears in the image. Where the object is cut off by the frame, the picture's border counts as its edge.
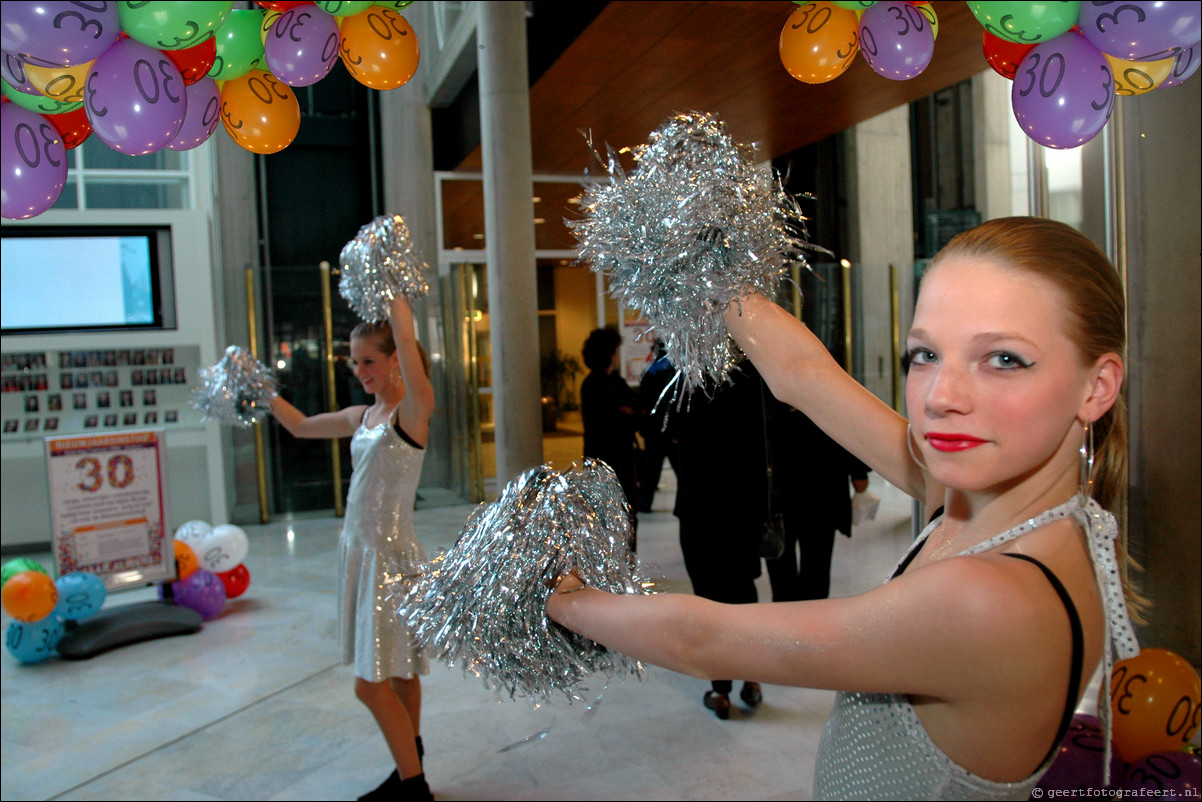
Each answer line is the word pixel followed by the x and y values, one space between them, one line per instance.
pixel 421 750
pixel 414 788
pixel 386 790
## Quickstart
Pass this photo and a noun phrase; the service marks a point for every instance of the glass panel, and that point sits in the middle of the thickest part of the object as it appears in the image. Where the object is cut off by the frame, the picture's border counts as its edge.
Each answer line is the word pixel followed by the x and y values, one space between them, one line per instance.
pixel 1064 185
pixel 463 214
pixel 124 194
pixel 552 204
pixel 99 156
pixel 70 197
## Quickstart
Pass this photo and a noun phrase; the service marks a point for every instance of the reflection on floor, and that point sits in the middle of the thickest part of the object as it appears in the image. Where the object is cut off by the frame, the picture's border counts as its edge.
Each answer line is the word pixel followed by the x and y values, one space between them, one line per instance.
pixel 256 705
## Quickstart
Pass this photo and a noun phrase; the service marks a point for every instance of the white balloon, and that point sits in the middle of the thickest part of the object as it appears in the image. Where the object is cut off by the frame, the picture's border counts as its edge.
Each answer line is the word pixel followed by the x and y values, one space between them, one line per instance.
pixel 222 549
pixel 193 532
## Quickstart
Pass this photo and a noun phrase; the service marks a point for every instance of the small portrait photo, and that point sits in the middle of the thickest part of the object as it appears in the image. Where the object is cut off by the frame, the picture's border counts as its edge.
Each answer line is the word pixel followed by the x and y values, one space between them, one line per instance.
pixel 127 398
pixel 130 419
pixel 31 424
pixel 168 356
pixel 37 361
pixel 66 381
pixel 64 360
pixel 51 424
pixel 152 417
pixel 91 421
pixel 24 382
pixel 21 361
pixel 95 360
pixel 180 376
pixel 138 358
pixel 123 357
pixel 152 377
pixel 54 402
pixel 10 384
pixel 31 403
pixel 152 356
pixel 79 401
pixel 165 376
pixel 110 359
pixel 11 425
pixel 40 382
pixel 110 420
pixel 110 379
pixel 135 378
pixel 81 380
pixel 171 416
pixel 148 398
pixel 79 359
pixel 6 362
pixel 96 378
pixel 103 399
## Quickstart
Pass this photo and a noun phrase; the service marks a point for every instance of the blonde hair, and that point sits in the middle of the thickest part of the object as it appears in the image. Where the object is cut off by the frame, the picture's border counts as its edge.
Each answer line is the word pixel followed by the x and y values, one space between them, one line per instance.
pixel 382 334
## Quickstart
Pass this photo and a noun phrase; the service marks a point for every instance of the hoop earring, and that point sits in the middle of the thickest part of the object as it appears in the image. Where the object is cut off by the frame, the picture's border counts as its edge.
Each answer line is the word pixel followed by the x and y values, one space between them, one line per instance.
pixel 914 455
pixel 1087 460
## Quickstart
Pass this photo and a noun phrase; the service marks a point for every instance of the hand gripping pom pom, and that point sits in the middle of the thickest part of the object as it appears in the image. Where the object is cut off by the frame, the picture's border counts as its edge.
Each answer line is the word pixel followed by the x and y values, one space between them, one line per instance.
pixel 481 604
pixel 696 226
pixel 237 391
pixel 379 264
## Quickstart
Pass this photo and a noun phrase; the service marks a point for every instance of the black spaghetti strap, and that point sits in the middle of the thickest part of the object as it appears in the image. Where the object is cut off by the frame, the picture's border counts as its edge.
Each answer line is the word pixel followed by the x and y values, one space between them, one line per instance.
pixel 396 424
pixel 1074 621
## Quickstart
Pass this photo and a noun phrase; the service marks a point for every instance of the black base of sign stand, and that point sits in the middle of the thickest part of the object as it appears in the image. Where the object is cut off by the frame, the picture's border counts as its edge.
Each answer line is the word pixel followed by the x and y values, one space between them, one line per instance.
pixel 123 625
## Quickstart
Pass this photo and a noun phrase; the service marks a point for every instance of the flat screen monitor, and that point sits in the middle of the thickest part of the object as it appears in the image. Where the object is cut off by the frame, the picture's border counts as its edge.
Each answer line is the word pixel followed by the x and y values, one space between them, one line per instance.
pixel 85 278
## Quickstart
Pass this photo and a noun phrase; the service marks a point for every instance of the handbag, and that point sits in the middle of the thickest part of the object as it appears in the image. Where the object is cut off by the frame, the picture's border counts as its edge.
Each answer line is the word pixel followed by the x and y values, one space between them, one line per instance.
pixel 772 538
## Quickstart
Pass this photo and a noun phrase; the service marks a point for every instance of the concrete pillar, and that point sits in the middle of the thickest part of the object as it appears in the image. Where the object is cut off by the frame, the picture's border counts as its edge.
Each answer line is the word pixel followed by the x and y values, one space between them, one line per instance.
pixel 509 233
pixel 991 144
pixel 881 234
pixel 1161 145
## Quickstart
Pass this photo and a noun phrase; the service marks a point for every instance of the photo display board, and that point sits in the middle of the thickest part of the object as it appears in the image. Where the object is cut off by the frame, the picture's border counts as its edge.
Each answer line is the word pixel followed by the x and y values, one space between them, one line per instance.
pixel 108 510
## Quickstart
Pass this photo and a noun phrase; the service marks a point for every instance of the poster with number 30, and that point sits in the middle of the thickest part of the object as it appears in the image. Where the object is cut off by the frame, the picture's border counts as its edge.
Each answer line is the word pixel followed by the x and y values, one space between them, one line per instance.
pixel 107 507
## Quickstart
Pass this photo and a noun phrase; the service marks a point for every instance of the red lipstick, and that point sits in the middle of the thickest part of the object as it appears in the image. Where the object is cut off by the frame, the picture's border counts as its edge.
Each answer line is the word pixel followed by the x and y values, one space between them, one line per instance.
pixel 942 441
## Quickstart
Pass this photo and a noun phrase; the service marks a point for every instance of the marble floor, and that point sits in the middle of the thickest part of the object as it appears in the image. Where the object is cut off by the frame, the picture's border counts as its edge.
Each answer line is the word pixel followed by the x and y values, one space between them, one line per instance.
pixel 256 705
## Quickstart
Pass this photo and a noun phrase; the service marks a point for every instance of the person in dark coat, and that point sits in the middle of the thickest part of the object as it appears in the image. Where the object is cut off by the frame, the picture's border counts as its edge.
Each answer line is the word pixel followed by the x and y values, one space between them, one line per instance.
pixel 609 410
pixel 722 500
pixel 810 490
pixel 656 442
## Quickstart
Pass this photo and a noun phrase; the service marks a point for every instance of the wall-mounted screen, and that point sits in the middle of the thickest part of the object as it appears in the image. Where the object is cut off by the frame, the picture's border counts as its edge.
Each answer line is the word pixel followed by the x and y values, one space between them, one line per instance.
pixel 85 278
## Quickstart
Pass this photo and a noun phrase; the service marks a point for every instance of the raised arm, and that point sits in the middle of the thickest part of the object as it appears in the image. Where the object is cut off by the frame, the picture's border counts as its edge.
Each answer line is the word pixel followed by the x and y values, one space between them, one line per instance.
pixel 326 425
pixel 418 403
pixel 801 372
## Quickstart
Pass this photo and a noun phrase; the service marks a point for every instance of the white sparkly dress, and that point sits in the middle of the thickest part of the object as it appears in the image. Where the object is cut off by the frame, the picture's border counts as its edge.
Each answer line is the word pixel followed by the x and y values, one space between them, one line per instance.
pixel 379 555
pixel 874 745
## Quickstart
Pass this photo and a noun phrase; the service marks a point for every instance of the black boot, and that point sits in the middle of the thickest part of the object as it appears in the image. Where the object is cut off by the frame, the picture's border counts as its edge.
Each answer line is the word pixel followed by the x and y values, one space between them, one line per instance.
pixel 386 790
pixel 421 750
pixel 415 788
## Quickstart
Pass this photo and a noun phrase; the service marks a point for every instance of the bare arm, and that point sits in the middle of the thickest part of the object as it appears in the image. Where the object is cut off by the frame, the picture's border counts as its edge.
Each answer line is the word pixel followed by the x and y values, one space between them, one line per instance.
pixel 326 425
pixel 418 403
pixel 801 372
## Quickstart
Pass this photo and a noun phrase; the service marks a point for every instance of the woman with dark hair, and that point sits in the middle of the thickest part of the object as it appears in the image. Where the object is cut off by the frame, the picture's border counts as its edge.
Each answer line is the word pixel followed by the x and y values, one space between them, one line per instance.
pixel 610 411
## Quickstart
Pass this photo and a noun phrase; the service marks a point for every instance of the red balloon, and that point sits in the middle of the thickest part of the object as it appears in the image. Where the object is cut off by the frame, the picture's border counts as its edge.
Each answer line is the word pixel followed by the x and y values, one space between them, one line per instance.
pixel 1003 55
pixel 72 126
pixel 194 62
pixel 282 5
pixel 236 580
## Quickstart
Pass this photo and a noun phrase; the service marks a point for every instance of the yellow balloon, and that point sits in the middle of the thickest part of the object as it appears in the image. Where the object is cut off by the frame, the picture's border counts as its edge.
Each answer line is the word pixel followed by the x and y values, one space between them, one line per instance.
pixel 1138 77
pixel 265 27
pixel 64 84
pixel 928 11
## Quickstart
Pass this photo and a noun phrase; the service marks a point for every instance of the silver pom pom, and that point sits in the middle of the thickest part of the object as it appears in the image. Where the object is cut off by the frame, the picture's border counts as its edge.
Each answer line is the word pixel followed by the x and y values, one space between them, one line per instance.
pixel 695 226
pixel 379 264
pixel 481 604
pixel 237 391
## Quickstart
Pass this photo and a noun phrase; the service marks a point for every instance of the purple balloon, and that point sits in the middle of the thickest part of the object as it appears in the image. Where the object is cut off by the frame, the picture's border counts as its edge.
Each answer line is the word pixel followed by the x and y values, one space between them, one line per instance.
pixel 1141 31
pixel 1170 775
pixel 1063 92
pixel 896 40
pixel 204 113
pixel 33 163
pixel 1185 64
pixel 135 98
pixel 59 34
pixel 12 69
pixel 302 46
pixel 1078 763
pixel 202 591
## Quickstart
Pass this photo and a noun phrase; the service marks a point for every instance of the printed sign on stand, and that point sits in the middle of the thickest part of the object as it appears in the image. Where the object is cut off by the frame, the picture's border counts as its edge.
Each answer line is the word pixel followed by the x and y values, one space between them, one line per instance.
pixel 108 509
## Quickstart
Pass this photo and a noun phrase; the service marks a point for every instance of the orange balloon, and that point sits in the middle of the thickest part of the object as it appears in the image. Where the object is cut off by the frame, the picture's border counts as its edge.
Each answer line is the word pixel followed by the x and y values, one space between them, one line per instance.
pixel 379 48
pixel 1155 699
pixel 259 112
pixel 819 42
pixel 1130 77
pixel 29 596
pixel 185 560
pixel 64 84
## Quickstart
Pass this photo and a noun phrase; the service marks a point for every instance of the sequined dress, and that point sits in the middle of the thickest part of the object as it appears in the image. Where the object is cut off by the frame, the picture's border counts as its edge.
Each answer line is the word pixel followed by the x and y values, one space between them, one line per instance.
pixel 874 746
pixel 379 554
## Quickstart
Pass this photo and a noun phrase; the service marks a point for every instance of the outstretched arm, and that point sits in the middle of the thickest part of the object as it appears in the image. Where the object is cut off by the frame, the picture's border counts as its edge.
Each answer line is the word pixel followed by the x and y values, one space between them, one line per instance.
pixel 418 403
pixel 326 425
pixel 801 372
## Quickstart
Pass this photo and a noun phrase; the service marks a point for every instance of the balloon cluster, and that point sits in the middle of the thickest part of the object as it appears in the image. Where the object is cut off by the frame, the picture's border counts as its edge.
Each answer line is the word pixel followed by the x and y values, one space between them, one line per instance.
pixel 237 391
pixel 210 568
pixel 144 76
pixel 1068 60
pixel 1155 702
pixel 40 605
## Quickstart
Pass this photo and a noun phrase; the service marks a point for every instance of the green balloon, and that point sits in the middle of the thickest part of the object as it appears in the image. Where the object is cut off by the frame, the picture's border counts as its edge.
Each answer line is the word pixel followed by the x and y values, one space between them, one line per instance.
pixel 854 5
pixel 239 45
pixel 19 565
pixel 399 5
pixel 172 25
pixel 39 103
pixel 344 8
pixel 1027 23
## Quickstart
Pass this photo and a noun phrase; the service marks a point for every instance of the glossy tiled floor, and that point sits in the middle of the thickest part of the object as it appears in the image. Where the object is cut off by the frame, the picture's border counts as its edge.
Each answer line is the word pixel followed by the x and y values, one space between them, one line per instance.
pixel 256 705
